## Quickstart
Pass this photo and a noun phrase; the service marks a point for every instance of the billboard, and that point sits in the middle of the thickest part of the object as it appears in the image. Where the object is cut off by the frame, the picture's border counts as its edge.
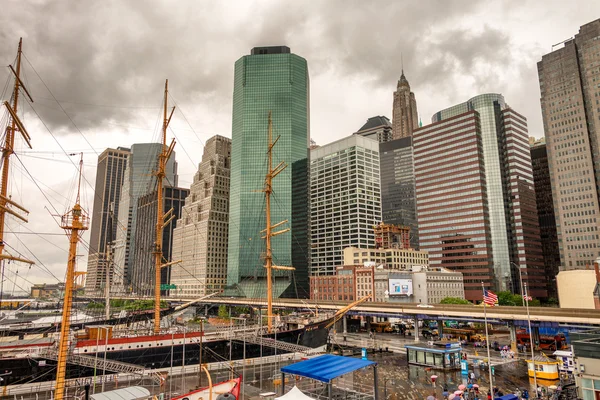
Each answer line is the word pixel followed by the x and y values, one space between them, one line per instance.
pixel 400 287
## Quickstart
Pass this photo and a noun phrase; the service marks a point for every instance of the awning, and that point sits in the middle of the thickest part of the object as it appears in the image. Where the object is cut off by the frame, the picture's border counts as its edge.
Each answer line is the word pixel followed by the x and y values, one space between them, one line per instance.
pixel 326 367
pixel 128 393
pixel 294 394
pixel 508 397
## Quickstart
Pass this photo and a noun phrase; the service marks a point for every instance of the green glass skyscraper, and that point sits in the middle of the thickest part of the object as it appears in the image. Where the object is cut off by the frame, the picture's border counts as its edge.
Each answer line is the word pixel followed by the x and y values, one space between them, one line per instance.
pixel 270 79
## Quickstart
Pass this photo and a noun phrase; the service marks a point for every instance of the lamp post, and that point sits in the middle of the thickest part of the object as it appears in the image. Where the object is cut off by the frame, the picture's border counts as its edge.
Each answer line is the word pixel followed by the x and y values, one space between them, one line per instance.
pixel 520 281
pixel 526 298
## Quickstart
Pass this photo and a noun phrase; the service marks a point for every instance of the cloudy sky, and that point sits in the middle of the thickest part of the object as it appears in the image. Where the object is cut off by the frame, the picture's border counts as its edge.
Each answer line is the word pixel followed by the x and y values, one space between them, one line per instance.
pixel 96 72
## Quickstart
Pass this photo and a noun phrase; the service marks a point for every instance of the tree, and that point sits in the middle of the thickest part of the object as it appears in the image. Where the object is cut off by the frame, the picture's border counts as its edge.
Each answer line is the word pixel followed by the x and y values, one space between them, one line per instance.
pixel 454 300
pixel 506 298
pixel 223 312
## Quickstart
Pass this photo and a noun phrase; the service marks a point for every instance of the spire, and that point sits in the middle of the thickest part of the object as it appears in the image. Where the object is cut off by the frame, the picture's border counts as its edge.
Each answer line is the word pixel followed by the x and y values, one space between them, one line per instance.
pixel 402 64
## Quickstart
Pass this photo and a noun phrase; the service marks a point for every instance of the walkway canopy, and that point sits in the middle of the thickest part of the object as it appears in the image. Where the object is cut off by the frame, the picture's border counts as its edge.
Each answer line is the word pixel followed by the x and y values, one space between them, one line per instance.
pixel 129 393
pixel 294 394
pixel 326 367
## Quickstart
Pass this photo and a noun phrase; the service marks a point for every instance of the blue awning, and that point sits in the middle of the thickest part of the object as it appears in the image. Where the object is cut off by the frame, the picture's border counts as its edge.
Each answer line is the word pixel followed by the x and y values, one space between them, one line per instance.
pixel 326 367
pixel 508 397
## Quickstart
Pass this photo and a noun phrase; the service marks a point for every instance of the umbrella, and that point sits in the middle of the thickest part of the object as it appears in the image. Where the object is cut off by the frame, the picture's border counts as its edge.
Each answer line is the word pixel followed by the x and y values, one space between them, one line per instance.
pixel 433 376
pixel 430 397
pixel 458 392
pixel 452 396
pixel 476 386
pixel 469 386
pixel 461 387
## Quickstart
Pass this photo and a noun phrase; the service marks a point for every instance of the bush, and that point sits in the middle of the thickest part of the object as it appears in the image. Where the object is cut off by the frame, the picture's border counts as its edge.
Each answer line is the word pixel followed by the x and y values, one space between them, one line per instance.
pixel 454 300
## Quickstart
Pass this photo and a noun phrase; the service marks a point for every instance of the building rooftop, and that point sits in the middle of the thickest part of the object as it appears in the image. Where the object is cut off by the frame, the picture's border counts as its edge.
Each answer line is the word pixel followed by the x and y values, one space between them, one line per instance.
pixel 375 122
pixel 270 50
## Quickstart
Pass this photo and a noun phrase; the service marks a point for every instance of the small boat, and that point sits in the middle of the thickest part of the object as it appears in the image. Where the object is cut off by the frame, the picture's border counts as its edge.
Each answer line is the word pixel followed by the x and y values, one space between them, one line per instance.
pixel 211 392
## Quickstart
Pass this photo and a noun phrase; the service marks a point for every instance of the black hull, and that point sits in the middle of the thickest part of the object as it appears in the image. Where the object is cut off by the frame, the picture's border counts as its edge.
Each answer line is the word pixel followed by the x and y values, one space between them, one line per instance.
pixel 27 370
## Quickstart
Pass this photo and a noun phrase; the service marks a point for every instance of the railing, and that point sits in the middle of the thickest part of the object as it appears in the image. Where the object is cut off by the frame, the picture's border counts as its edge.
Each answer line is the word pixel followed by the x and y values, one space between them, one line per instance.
pixel 96 362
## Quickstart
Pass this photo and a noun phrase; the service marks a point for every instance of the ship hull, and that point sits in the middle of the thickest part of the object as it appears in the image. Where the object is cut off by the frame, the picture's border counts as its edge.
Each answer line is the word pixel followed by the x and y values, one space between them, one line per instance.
pixel 39 369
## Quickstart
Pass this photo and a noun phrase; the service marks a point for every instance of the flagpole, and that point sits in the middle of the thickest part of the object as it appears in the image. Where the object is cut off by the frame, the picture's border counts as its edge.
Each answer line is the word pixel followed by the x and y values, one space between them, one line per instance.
pixel 487 341
pixel 526 297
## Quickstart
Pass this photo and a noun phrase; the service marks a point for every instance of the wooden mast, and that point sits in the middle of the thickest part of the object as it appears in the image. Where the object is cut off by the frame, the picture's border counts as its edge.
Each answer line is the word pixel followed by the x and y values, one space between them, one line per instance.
pixel 268 189
pixel 8 149
pixel 160 215
pixel 75 221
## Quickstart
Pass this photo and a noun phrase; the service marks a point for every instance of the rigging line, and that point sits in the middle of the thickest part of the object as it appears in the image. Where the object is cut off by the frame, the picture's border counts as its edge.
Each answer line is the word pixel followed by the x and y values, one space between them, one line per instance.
pixel 47 187
pixel 37 259
pixel 61 107
pixel 96 105
pixel 31 232
pixel 55 160
pixel 36 184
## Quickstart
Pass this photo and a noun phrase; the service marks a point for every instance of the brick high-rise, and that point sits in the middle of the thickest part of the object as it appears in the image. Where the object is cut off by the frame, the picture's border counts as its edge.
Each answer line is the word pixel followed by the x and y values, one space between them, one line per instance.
pixel 475 196
pixel 404 111
pixel 570 95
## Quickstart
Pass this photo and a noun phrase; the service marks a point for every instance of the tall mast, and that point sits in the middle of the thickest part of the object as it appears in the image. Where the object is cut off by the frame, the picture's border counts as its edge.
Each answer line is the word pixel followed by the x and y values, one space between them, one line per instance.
pixel 15 125
pixel 74 221
pixel 268 189
pixel 160 215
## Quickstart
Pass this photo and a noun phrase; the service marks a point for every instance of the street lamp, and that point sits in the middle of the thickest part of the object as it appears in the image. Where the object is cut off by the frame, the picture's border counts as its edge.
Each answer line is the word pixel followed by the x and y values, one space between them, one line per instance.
pixel 244 354
pixel 520 281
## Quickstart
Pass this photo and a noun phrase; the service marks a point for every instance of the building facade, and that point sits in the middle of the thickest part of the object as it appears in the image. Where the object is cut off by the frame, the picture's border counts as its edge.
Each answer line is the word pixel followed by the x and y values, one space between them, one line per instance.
pixel 475 196
pixel 345 200
pixel 546 216
pixel 404 112
pixel 109 180
pixel 421 285
pixel 269 80
pixel 569 88
pixel 377 128
pixel 143 267
pixel 200 238
pixel 392 259
pixel 138 181
pixel 398 201
pixel 576 288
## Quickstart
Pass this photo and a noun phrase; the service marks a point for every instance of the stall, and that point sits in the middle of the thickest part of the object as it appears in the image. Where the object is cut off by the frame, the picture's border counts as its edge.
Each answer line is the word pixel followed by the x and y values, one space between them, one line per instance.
pixel 433 356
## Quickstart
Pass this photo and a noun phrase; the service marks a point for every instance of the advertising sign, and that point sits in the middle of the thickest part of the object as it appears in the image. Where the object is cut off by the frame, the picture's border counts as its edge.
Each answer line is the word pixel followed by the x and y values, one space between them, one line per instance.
pixel 400 287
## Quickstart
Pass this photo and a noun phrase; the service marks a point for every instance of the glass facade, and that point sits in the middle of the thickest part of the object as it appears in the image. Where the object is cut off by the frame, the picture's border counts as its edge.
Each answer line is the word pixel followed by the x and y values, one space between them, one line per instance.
pixel 270 80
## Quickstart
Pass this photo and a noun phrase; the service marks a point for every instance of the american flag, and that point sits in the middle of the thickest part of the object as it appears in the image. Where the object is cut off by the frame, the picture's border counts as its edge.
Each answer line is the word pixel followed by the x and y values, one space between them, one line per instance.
pixel 526 297
pixel 489 298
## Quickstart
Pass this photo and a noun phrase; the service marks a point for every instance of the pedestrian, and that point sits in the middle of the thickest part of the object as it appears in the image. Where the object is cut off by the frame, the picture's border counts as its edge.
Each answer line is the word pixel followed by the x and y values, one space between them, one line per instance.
pixel 472 376
pixel 489 396
pixel 445 391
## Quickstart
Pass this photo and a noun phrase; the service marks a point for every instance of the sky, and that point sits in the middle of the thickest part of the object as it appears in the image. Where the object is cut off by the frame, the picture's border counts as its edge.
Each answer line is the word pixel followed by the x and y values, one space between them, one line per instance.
pixel 96 72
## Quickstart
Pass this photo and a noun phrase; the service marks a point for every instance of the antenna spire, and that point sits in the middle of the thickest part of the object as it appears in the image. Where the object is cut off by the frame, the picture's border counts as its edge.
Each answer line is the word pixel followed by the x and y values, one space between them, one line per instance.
pixel 402 62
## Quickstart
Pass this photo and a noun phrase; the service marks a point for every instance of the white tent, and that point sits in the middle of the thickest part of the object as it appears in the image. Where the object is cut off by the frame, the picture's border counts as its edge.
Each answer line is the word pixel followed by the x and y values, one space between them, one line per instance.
pixel 294 394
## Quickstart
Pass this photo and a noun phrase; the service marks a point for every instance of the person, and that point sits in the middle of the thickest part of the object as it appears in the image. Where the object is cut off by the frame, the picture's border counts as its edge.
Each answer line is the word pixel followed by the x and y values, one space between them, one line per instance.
pixel 489 396
pixel 472 376
pixel 445 391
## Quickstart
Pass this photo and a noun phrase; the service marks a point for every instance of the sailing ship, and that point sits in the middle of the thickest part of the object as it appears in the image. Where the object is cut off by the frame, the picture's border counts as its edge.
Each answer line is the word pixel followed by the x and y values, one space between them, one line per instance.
pixel 39 361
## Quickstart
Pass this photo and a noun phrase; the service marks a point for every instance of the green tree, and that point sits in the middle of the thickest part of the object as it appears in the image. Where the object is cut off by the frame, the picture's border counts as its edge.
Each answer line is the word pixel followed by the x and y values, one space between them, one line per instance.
pixel 454 300
pixel 223 312
pixel 507 298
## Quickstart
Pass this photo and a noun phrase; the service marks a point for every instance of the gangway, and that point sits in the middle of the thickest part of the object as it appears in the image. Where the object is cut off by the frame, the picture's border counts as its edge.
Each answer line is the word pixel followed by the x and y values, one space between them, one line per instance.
pixel 96 362
pixel 278 344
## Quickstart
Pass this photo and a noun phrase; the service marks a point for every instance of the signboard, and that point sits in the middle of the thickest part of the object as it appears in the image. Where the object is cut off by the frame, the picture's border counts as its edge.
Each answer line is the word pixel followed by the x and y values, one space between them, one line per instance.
pixel 400 287
pixel 364 353
pixel 167 287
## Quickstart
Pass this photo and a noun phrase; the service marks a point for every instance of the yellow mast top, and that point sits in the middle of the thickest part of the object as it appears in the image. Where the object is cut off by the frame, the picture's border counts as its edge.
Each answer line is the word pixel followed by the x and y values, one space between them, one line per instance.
pixel 163 157
pixel 76 221
pixel 15 125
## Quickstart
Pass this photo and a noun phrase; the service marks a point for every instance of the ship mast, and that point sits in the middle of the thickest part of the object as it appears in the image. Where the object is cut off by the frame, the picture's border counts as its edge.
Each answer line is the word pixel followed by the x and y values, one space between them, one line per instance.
pixel 162 219
pixel 7 150
pixel 75 221
pixel 268 189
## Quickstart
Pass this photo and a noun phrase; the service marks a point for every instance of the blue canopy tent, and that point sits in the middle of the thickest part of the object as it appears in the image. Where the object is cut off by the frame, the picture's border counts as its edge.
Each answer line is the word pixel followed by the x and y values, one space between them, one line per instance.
pixel 508 397
pixel 327 367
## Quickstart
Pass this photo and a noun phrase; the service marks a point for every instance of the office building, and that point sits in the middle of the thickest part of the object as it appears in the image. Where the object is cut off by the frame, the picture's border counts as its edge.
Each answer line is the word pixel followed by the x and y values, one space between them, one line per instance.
pixel 109 179
pixel 398 204
pixel 404 112
pixel 546 216
pixel 569 83
pixel 345 200
pixel 576 288
pixel 390 258
pixel 142 269
pixel 200 238
pixel 377 128
pixel 475 196
pixel 138 181
pixel 269 80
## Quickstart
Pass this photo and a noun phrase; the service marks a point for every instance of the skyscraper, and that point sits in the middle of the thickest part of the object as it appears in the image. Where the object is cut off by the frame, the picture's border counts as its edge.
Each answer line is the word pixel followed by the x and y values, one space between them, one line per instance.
pixel 345 200
pixel 546 215
pixel 270 79
pixel 109 179
pixel 570 91
pixel 398 201
pixel 475 196
pixel 138 181
pixel 377 128
pixel 142 267
pixel 200 238
pixel 404 112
